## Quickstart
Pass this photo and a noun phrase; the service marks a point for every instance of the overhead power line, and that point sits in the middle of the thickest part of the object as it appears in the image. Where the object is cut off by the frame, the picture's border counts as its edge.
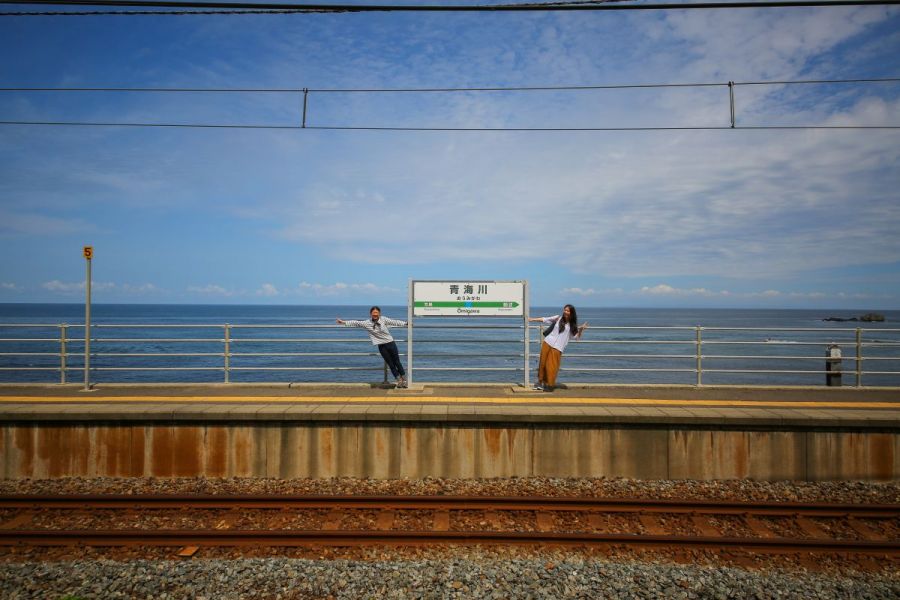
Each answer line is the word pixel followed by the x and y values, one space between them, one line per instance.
pixel 531 88
pixel 438 129
pixel 306 92
pixel 193 7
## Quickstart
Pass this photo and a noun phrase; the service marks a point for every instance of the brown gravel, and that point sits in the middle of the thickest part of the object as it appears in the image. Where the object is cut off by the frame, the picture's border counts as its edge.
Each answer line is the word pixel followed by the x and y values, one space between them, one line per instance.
pixel 838 491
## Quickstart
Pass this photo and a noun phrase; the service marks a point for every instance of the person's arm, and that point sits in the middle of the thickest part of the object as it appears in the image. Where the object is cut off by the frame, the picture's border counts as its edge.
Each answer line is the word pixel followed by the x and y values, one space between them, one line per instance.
pixel 393 322
pixel 349 323
pixel 580 331
pixel 535 319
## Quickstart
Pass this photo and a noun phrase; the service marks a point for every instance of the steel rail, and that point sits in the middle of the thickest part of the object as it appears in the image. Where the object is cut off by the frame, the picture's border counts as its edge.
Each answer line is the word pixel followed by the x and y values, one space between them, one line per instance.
pixel 347 537
pixel 382 502
pixel 215 537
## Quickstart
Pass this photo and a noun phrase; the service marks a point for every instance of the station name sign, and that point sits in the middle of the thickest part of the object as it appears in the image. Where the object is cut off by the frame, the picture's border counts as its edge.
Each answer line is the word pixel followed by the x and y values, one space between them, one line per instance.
pixel 468 298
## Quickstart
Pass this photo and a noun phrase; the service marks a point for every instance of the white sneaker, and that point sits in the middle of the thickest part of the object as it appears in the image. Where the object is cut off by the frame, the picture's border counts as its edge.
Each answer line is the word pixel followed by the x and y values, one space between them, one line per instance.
pixel 538 387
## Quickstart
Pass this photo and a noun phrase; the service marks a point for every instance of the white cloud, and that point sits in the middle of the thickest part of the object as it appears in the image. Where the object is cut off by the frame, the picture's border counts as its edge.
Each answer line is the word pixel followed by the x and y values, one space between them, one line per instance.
pixel 340 288
pixel 267 289
pixel 139 289
pixel 35 224
pixel 210 290
pixel 60 287
pixel 576 291
pixel 10 287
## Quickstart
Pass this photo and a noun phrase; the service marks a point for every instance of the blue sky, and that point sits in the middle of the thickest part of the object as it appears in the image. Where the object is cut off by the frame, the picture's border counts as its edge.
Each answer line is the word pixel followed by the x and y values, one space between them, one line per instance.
pixel 780 218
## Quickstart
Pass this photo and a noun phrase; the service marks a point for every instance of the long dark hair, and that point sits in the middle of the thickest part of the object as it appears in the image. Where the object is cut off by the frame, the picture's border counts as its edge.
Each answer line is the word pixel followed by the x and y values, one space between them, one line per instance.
pixel 573 321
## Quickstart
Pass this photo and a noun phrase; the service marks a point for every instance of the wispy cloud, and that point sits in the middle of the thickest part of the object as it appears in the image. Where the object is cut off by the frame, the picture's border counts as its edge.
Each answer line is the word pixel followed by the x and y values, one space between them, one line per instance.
pixel 339 289
pixel 211 290
pixel 268 290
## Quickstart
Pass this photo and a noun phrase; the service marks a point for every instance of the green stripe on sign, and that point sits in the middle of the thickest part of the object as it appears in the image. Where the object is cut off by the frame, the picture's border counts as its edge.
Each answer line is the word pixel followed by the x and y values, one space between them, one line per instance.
pixel 427 304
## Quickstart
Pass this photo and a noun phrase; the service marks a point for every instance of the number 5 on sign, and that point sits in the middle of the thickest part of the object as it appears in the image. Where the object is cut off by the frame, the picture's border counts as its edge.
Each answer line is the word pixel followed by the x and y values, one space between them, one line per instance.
pixel 89 252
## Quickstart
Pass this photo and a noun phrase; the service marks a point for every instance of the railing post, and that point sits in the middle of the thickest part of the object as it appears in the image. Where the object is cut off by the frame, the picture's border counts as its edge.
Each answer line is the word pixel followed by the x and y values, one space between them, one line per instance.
pixel 227 353
pixel 525 312
pixel 859 357
pixel 62 353
pixel 699 344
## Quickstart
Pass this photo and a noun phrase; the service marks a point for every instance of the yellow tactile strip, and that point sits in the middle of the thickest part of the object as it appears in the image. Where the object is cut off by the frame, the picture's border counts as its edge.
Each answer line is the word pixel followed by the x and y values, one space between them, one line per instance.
pixel 535 400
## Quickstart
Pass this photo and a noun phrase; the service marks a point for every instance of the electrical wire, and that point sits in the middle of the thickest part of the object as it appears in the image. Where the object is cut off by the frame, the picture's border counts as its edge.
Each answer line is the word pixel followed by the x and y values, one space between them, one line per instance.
pixel 447 89
pixel 306 91
pixel 188 7
pixel 471 129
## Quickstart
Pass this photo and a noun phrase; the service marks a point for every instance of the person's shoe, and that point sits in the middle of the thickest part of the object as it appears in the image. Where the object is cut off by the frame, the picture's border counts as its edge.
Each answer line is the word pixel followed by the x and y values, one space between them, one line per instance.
pixel 538 387
pixel 401 382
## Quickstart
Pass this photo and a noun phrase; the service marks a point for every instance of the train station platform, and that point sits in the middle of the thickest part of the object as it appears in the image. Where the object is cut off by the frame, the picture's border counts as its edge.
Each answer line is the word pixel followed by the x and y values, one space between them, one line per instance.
pixel 648 432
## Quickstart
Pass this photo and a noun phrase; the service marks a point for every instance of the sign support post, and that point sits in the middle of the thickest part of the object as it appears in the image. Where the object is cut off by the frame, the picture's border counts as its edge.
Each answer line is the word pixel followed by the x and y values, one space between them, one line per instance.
pixel 409 334
pixel 88 256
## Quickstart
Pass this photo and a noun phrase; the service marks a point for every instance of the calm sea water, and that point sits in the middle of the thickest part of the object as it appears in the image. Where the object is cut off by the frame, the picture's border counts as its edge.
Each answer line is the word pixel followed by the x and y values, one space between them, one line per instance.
pixel 186 343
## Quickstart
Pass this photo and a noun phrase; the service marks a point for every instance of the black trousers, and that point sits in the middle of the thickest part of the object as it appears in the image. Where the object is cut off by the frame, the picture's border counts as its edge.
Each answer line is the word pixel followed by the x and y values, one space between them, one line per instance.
pixel 391 356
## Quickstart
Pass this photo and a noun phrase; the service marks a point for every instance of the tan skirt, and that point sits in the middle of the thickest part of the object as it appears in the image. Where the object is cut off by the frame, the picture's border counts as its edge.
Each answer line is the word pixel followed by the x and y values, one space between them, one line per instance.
pixel 548 368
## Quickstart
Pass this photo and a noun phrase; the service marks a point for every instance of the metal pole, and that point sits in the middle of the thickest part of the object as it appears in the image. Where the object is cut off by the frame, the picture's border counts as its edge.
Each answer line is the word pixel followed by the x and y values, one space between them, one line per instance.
pixel 62 353
pixel 305 97
pixel 409 334
pixel 87 326
pixel 731 101
pixel 527 333
pixel 858 357
pixel 227 353
pixel 699 356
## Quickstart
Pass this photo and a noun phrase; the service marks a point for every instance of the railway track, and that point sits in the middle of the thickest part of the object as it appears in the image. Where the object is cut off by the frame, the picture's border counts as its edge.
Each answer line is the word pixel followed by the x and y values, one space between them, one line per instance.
pixel 194 521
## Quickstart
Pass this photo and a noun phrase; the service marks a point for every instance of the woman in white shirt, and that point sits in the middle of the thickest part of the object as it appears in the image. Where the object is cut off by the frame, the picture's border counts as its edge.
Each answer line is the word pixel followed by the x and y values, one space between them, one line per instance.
pixel 380 334
pixel 562 329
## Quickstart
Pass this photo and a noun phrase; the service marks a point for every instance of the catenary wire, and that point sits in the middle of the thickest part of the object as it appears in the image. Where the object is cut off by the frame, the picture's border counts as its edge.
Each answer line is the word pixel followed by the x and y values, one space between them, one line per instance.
pixel 448 89
pixel 279 8
pixel 474 129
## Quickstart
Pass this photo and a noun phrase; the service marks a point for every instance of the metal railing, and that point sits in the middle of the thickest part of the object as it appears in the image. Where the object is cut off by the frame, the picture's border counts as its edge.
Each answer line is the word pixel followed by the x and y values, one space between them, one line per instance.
pixel 226 352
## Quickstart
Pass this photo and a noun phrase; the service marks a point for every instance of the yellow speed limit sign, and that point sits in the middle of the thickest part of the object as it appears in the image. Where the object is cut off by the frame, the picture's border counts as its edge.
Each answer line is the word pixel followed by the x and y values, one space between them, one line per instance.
pixel 89 252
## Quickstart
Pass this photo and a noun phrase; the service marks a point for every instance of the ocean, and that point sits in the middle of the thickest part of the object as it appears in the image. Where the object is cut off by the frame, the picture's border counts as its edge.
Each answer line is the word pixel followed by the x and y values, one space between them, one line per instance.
pixel 135 343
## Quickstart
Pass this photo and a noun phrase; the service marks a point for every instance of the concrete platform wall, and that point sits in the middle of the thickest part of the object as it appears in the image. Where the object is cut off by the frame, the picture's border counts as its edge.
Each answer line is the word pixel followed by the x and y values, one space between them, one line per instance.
pixel 392 450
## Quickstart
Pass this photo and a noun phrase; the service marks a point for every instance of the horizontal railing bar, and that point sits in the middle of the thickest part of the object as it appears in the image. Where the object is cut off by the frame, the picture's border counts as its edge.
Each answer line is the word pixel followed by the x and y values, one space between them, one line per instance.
pixel 467 341
pixel 161 325
pixel 30 354
pixel 418 368
pixel 306 368
pixel 39 325
pixel 156 340
pixel 577 355
pixel 157 369
pixel 56 339
pixel 519 327
pixel 587 370
pixel 819 329
pixel 683 342
pixel 29 369
pixel 305 354
pixel 747 356
pixel 774 371
pixel 879 372
pixel 316 340
pixel 737 343
pixel 151 354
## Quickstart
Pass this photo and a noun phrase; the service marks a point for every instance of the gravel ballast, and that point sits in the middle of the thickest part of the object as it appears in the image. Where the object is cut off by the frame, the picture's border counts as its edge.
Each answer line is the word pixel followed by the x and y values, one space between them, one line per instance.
pixel 452 578
pixel 440 572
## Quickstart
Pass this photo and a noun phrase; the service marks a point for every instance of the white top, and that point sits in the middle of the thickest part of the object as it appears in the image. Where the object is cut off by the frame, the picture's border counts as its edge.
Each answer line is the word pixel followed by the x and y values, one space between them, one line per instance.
pixel 557 339
pixel 379 334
